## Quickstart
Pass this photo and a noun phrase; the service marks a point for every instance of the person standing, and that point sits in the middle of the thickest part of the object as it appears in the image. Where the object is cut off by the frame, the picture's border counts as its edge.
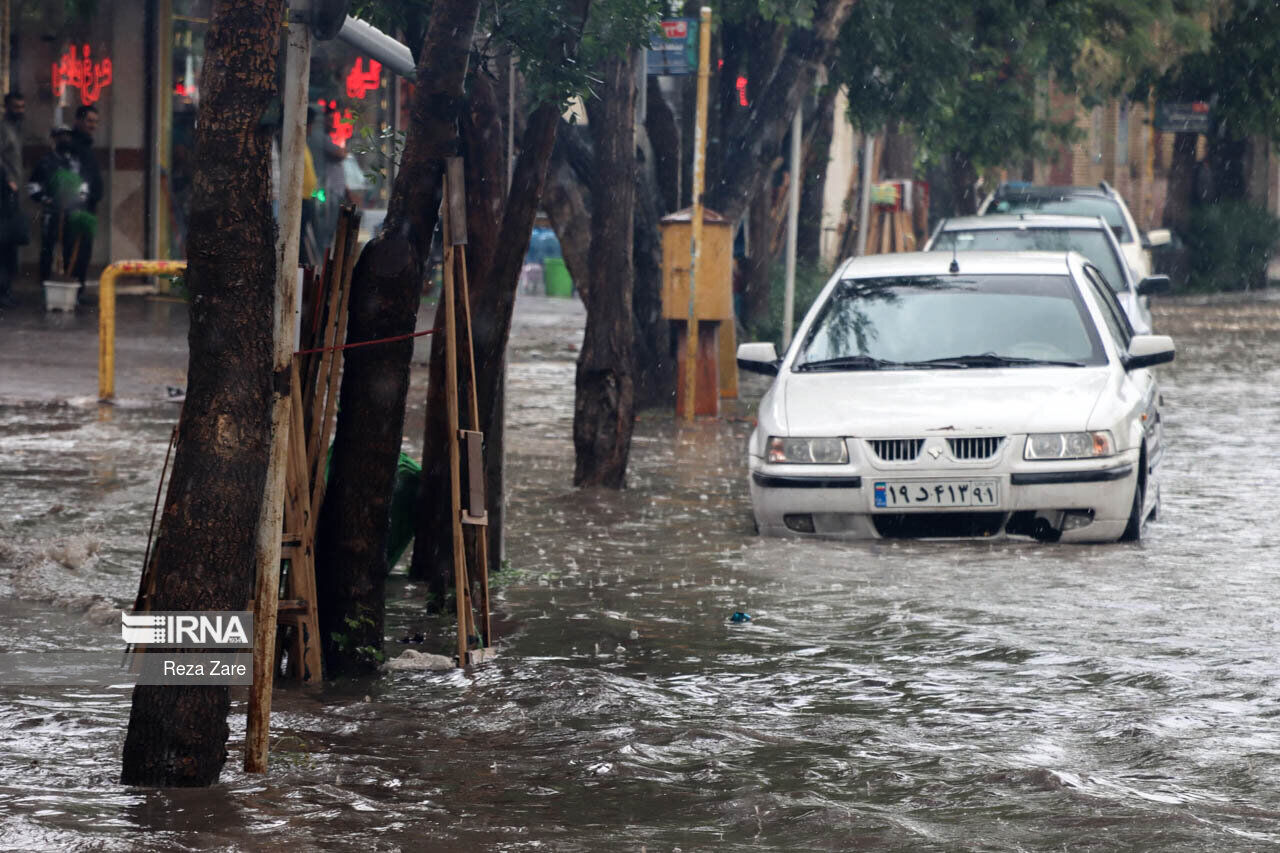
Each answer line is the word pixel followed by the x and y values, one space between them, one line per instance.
pixel 11 237
pixel 86 125
pixel 58 185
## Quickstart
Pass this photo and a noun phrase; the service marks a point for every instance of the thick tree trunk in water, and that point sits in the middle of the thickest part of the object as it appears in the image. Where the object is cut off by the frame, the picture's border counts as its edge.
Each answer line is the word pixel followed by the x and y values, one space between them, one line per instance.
pixel 494 263
pixel 964 180
pixel 386 289
pixel 204 555
pixel 604 403
pixel 1182 176
pixel 493 279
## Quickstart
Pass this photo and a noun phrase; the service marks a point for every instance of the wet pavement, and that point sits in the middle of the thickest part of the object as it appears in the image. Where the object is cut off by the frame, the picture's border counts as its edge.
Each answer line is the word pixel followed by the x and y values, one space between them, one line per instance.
pixel 886 696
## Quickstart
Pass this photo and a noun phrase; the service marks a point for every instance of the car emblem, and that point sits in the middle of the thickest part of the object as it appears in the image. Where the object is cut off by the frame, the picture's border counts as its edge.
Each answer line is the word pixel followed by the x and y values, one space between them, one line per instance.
pixel 935 452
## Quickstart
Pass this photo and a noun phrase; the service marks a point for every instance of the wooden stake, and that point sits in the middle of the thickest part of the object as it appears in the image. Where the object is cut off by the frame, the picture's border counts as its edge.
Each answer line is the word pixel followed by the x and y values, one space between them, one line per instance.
pixel 482 537
pixel 451 414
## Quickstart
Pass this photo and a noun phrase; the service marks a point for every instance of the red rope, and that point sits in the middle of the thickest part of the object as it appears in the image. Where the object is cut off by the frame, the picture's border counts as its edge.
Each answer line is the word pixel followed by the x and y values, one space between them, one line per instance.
pixel 367 343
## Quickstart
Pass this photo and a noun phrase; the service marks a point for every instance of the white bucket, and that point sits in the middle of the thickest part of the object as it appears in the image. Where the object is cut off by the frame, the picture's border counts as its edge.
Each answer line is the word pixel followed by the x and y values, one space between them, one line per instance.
pixel 61 295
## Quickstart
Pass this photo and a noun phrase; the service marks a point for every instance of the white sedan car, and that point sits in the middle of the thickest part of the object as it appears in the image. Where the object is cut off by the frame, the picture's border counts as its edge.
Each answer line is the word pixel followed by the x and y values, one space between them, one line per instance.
pixel 1029 232
pixel 976 395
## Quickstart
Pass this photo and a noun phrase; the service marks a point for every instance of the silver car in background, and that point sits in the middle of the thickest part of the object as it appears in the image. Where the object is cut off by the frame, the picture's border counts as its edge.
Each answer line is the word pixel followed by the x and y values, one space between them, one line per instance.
pixel 1088 235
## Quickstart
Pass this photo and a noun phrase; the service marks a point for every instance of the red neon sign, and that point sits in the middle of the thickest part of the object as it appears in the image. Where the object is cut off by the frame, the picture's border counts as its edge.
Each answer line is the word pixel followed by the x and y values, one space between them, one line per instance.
pixel 360 83
pixel 81 72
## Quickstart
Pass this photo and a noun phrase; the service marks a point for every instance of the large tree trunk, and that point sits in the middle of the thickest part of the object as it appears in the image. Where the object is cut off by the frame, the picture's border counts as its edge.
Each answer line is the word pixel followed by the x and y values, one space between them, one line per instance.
pixel 494 261
pixel 493 267
pixel 568 199
pixel 386 288
pixel 758 140
pixel 204 555
pixel 604 403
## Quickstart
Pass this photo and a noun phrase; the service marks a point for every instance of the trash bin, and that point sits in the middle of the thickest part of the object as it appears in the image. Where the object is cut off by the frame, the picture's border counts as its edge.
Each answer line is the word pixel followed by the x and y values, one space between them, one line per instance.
pixel 557 277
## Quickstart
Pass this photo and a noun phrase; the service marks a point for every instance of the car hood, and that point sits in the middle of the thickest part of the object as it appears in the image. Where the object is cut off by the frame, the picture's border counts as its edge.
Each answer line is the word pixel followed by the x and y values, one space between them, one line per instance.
pixel 899 403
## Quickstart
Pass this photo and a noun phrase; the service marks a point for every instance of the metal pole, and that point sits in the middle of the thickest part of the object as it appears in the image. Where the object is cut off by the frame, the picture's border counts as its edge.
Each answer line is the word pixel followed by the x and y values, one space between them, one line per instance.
pixel 793 218
pixel 864 206
pixel 699 181
pixel 267 556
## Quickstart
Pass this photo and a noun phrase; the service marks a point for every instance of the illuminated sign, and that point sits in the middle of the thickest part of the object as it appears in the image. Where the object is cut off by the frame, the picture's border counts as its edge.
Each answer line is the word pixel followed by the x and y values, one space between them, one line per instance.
pixel 81 72
pixel 342 123
pixel 360 82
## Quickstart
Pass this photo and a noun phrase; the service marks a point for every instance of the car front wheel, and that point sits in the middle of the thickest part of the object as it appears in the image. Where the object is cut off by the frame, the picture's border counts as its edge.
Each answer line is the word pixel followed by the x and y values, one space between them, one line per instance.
pixel 1133 530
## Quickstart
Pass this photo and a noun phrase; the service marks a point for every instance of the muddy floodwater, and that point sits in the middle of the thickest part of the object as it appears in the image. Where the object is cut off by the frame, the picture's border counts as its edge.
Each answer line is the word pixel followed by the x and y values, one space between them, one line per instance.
pixel 885 696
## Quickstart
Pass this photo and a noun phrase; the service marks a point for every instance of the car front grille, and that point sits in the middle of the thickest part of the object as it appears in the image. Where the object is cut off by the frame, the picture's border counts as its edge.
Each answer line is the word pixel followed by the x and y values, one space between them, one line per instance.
pixel 897 449
pixel 968 449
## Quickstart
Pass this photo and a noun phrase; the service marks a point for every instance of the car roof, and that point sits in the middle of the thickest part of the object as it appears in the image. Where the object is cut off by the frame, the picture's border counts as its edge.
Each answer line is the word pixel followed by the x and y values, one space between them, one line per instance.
pixel 971 263
pixel 1032 191
pixel 1022 220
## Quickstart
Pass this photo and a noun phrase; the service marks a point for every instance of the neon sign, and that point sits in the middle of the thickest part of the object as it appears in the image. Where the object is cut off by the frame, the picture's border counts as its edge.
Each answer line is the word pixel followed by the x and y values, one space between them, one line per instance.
pixel 343 123
pixel 359 82
pixel 81 72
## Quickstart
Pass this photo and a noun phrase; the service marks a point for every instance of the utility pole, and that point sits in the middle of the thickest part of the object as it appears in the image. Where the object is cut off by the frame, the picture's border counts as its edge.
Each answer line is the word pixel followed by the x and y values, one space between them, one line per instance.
pixel 699 181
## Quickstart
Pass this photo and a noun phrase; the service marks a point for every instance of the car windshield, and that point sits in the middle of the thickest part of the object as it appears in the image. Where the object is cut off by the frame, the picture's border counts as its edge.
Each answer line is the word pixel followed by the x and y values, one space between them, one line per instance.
pixel 1077 206
pixel 941 322
pixel 1090 242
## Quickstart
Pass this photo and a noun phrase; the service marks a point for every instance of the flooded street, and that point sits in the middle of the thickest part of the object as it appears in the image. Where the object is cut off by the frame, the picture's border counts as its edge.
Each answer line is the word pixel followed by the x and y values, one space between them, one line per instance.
pixel 885 696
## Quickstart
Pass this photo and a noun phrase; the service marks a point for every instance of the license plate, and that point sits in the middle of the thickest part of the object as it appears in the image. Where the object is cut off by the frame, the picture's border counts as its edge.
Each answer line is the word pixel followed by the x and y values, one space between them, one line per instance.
pixel 908 494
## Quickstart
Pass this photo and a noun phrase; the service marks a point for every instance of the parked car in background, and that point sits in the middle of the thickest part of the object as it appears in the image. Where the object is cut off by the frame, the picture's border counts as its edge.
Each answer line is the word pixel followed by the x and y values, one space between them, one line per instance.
pixel 1089 236
pixel 1101 200
pixel 986 394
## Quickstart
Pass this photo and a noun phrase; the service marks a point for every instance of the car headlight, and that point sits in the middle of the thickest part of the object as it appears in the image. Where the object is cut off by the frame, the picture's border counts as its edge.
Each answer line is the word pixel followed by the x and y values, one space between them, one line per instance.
pixel 1069 445
pixel 813 451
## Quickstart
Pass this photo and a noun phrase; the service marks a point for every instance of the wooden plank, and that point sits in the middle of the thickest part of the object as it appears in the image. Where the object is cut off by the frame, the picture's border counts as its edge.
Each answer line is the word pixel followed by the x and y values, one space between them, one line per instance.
pixel 477 462
pixel 303 568
pixel 455 462
pixel 334 288
pixel 320 454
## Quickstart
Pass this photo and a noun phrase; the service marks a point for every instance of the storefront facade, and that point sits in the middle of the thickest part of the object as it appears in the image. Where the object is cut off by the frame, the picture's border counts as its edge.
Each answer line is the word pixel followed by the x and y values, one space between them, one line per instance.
pixel 140 63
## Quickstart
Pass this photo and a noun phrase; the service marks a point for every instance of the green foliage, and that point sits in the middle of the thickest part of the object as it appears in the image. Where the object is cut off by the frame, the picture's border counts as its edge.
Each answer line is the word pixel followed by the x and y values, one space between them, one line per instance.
pixel 810 279
pixel 1238 71
pixel 969 75
pixel 1228 246
pixel 360 625
pixel 538 31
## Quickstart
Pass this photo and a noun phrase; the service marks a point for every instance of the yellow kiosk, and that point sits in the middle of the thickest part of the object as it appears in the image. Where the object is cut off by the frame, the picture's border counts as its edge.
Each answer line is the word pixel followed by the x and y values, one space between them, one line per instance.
pixel 716 352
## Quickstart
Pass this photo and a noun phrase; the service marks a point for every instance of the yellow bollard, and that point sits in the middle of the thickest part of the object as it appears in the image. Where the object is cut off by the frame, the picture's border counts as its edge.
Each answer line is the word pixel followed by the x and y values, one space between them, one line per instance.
pixel 107 315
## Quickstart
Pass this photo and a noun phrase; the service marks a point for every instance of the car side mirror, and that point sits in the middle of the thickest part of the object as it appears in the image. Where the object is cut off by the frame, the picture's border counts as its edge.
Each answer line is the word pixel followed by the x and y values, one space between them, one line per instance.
pixel 1148 351
pixel 759 358
pixel 1158 237
pixel 1154 284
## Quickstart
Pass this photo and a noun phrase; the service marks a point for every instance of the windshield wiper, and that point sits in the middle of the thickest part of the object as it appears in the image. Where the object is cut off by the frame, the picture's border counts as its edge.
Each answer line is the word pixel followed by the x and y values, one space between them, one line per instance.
pixel 991 359
pixel 849 362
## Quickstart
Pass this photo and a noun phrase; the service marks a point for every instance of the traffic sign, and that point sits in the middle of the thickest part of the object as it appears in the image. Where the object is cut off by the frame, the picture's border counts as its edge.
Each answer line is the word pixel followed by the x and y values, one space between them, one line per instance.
pixel 675 50
pixel 1187 117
